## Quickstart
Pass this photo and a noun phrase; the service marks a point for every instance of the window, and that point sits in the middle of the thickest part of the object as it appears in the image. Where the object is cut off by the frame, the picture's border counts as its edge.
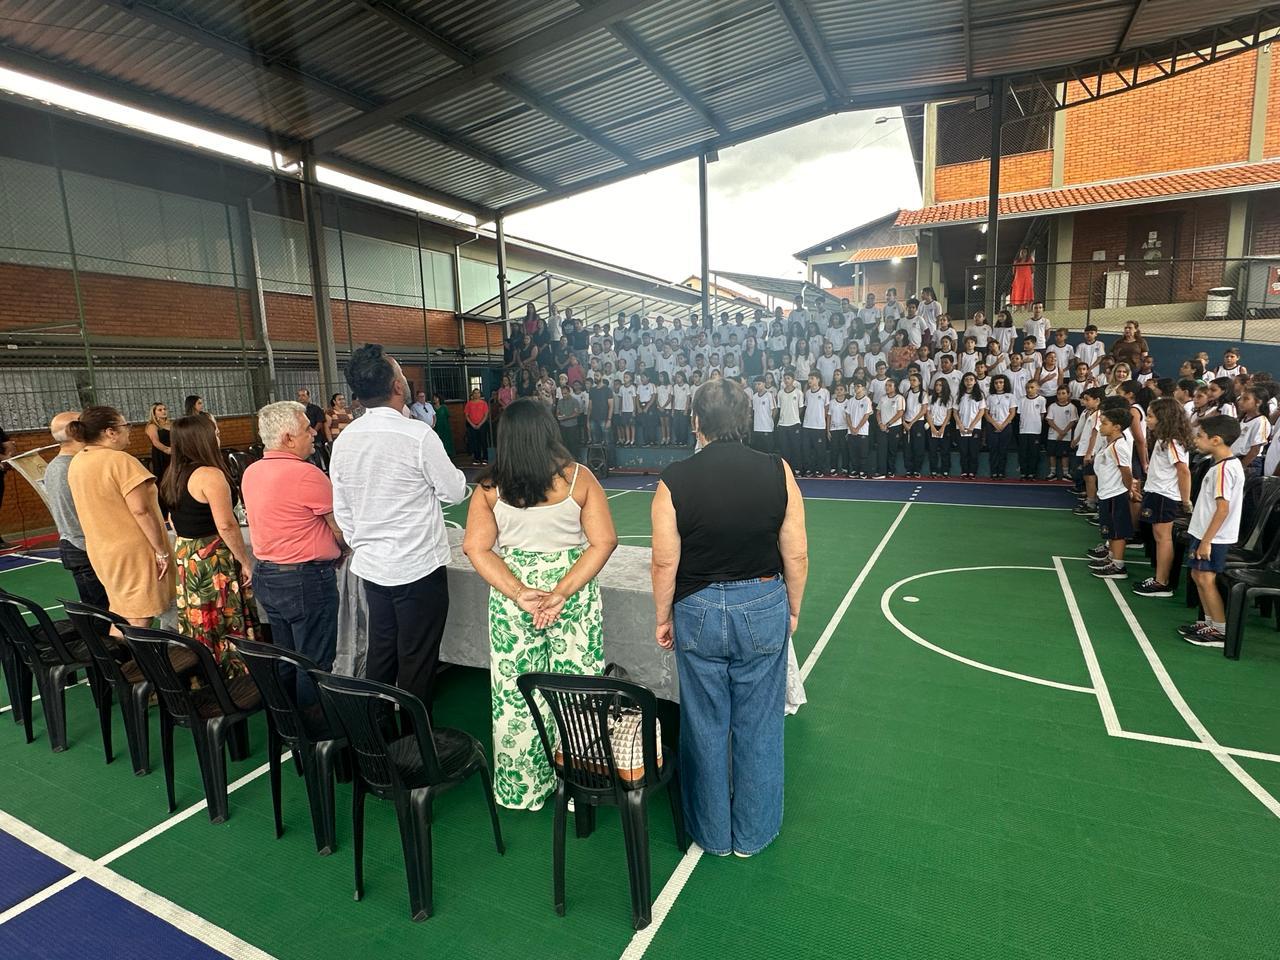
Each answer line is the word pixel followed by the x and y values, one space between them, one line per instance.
pixel 964 134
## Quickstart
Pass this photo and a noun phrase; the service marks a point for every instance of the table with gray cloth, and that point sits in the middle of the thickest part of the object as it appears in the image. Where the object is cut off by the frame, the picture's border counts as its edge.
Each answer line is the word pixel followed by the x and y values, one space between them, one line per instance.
pixel 626 593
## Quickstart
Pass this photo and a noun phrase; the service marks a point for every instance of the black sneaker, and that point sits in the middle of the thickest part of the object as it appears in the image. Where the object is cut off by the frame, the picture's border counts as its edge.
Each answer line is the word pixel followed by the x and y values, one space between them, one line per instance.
pixel 1206 636
pixel 1188 629
pixel 1098 552
pixel 1133 544
pixel 1151 587
pixel 1093 518
pixel 1097 563
pixel 1111 571
pixel 1083 510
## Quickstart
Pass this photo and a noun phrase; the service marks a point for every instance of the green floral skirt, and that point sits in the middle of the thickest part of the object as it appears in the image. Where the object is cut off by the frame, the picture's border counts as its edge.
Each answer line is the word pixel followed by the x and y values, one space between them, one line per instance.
pixel 212 602
pixel 522 777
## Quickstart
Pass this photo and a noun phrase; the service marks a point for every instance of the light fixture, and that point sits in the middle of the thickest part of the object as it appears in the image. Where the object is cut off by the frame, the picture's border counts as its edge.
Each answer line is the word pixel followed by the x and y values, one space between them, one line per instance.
pixel 974 287
pixel 982 228
pixel 895 260
pixel 980 257
pixel 977 276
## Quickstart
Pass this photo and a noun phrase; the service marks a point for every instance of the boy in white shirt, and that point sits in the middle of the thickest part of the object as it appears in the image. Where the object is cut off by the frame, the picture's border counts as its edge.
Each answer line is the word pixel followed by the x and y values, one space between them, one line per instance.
pixel 1037 325
pixel 1092 350
pixel 816 399
pixel 1031 410
pixel 913 323
pixel 1061 349
pixel 827 364
pixel 838 433
pixel 1214 527
pixel 1115 481
pixel 889 412
pixel 1062 417
pixel 858 408
pixel 763 407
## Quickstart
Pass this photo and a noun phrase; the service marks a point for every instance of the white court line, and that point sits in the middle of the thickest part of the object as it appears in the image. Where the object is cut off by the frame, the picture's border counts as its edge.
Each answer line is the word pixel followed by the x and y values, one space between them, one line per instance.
pixel 635 536
pixel 919 503
pixel 1109 717
pixel 98 872
pixel 1222 755
pixel 619 493
pixel 641 939
pixel 911 635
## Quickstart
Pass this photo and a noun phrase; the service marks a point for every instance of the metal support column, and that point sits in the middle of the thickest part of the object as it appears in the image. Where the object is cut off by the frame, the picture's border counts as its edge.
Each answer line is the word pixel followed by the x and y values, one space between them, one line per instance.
pixel 75 263
pixel 502 274
pixel 457 302
pixel 258 302
pixel 313 221
pixel 992 296
pixel 705 248
pixel 422 287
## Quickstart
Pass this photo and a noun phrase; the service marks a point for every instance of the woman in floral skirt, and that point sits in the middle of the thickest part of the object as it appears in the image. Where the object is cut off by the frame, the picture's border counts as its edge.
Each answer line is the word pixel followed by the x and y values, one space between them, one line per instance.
pixel 549 520
pixel 214 568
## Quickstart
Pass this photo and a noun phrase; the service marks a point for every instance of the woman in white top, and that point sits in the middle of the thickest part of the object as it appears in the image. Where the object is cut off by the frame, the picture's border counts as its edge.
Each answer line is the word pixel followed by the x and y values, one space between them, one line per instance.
pixel 549 520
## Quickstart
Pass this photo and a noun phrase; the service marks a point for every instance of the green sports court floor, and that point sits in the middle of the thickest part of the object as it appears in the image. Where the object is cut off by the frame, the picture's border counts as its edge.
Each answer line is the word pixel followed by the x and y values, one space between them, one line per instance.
pixel 1000 757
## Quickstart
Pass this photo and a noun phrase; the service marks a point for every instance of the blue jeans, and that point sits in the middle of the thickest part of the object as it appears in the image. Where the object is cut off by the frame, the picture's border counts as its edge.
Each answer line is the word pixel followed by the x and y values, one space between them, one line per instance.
pixel 731 654
pixel 301 602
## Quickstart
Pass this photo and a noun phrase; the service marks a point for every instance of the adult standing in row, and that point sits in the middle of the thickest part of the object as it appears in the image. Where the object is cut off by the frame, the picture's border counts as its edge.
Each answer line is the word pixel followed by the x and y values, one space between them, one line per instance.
pixel 1130 348
pixel 549 519
pixel 115 499
pixel 158 432
pixel 315 419
pixel 730 560
pixel 214 567
pixel 71 549
pixel 390 476
pixel 296 541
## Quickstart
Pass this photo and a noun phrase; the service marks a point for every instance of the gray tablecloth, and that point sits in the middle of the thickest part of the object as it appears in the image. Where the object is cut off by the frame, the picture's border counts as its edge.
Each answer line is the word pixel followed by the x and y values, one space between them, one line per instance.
pixel 626 594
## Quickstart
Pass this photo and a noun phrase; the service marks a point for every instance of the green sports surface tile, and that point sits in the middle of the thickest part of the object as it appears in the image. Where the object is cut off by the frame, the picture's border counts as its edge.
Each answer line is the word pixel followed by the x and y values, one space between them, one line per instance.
pixel 932 809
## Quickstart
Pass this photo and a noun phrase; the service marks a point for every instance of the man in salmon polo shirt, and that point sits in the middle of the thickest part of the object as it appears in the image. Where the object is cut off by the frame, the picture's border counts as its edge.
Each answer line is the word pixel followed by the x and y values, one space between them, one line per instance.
pixel 294 538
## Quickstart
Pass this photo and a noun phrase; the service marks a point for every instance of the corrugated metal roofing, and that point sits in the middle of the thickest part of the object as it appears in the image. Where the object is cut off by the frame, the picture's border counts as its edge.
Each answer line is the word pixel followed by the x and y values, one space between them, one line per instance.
pixel 505 103
pixel 1237 177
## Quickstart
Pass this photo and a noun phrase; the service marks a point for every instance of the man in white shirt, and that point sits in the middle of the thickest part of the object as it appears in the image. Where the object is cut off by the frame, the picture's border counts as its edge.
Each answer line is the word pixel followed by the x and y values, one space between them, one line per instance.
pixel 390 476
pixel 423 410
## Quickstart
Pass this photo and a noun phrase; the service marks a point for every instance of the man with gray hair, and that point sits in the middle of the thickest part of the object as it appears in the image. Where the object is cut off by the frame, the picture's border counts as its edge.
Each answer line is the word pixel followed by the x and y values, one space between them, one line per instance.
pixel 70 536
pixel 295 539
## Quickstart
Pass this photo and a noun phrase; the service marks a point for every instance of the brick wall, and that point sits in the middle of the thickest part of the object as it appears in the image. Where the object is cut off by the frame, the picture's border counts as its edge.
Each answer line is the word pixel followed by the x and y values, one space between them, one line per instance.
pixel 1202 234
pixel 1197 119
pixel 1271 141
pixel 1023 171
pixel 883 275
pixel 1264 238
pixel 23 510
pixel 137 307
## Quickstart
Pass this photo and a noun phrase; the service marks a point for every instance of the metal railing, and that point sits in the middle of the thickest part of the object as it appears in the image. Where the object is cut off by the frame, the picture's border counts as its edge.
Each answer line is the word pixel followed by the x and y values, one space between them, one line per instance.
pixel 1201 297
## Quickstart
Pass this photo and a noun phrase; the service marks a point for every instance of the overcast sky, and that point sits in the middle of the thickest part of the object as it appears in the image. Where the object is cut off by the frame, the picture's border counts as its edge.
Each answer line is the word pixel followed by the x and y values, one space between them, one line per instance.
pixel 769 198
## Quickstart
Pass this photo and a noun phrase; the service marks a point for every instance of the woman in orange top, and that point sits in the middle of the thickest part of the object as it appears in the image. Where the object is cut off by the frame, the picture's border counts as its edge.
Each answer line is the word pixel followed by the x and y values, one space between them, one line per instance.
pixel 476 413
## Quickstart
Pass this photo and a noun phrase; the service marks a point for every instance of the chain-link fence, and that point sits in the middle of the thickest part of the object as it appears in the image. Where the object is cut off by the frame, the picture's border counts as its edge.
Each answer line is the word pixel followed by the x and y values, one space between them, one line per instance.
pixel 1194 297
pixel 116 293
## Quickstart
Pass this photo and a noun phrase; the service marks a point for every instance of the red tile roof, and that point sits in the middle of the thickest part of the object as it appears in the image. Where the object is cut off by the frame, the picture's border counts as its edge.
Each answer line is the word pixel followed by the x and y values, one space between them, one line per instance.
pixel 897 251
pixel 1241 176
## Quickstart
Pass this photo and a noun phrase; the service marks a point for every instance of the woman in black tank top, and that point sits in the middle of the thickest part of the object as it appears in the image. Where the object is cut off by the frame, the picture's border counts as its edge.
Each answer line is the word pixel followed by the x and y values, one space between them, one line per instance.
pixel 730 559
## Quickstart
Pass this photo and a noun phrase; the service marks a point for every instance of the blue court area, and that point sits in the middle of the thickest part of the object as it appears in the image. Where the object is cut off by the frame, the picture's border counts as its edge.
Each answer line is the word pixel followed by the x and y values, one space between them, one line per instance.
pixel 23 872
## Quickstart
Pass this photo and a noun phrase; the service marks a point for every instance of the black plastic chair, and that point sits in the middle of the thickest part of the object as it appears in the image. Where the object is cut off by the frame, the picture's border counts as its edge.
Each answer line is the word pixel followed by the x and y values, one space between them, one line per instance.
pixel 14 671
pixel 587 771
pixel 410 770
pixel 305 730
pixel 50 655
pixel 1259 582
pixel 123 678
pixel 210 712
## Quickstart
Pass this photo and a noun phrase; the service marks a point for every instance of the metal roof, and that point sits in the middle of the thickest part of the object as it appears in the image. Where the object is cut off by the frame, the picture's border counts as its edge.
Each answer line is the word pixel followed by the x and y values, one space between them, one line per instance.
pixel 493 105
pixel 590 302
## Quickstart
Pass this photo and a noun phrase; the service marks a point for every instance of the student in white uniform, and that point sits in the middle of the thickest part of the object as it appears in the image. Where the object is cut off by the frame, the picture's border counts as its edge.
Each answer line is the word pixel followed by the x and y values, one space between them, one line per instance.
pixel 790 408
pixel 816 399
pixel 1115 481
pixel 681 395
pixel 838 433
pixel 1091 351
pixel 1061 417
pixel 967 362
pixel 1019 376
pixel 664 408
pixel 1166 493
pixel 889 413
pixel 999 425
pixel 1037 325
pixel 627 412
pixel 1255 430
pixel 827 364
pixel 1087 442
pixel 1030 427
pixel 763 414
pixel 1064 351
pixel 969 411
pixel 938 418
pixel 980 330
pixel 858 408
pixel 915 430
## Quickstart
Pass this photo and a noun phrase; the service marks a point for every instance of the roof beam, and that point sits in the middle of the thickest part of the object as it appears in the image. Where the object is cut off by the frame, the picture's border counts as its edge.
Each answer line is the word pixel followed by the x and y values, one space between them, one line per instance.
pixel 521 91
pixel 807 36
pixel 285 71
pixel 480 72
pixel 664 72
pixel 967 15
pixel 1138 9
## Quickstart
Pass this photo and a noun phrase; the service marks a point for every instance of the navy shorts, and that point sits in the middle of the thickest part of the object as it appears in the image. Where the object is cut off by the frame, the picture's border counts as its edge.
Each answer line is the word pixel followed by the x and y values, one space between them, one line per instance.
pixel 1114 521
pixel 626 419
pixel 1157 508
pixel 1217 561
pixel 1087 469
pixel 1057 448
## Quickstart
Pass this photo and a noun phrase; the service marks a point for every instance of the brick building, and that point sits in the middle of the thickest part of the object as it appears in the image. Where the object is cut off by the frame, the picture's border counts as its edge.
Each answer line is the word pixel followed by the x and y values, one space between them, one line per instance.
pixel 1135 205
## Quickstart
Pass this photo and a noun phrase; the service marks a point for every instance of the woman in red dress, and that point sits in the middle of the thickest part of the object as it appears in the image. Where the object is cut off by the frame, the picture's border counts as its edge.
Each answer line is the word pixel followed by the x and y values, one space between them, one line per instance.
pixel 1023 291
